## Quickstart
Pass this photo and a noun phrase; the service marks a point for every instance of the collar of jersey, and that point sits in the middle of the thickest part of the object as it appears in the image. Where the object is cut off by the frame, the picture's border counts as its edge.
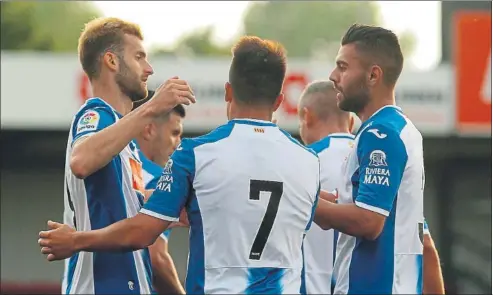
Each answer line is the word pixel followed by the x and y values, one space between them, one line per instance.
pixel 254 122
pixel 107 104
pixel 365 124
pixel 341 134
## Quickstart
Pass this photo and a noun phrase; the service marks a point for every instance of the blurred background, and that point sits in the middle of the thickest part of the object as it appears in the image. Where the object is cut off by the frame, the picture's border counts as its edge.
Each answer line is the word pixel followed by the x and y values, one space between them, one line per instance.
pixel 445 89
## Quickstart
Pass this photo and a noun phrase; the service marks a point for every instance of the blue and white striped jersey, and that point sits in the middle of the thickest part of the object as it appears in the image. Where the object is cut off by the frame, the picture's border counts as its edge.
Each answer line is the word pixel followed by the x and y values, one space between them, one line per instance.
pixel 318 247
pixel 384 173
pixel 111 194
pixel 250 191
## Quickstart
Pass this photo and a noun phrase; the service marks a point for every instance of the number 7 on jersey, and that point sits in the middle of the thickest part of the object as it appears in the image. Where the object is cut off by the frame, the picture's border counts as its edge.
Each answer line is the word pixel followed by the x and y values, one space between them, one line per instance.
pixel 276 189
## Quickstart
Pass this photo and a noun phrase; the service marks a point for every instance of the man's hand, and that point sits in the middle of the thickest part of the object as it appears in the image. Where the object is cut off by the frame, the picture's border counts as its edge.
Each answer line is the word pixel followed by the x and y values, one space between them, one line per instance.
pixel 183 222
pixel 58 242
pixel 171 93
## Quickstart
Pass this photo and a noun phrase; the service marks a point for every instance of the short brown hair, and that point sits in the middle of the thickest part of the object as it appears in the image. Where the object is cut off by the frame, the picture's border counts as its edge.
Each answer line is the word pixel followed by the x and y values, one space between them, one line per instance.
pixel 101 35
pixel 257 70
pixel 381 47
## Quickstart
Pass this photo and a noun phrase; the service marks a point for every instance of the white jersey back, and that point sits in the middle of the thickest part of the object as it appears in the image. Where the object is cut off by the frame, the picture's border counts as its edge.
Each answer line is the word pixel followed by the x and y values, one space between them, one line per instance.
pixel 384 173
pixel 250 191
pixel 111 194
pixel 318 247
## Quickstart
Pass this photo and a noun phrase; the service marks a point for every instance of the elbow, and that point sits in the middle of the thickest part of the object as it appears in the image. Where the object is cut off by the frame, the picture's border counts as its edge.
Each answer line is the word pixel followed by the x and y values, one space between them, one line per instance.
pixel 78 166
pixel 372 227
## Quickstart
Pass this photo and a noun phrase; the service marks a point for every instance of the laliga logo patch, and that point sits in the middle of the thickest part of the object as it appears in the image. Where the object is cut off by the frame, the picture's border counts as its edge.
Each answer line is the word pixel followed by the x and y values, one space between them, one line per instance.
pixel 89 121
pixel 378 158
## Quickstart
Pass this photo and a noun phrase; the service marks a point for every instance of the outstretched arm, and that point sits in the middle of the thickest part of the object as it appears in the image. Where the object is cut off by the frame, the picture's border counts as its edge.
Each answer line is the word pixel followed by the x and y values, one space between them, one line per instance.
pixel 432 272
pixel 130 234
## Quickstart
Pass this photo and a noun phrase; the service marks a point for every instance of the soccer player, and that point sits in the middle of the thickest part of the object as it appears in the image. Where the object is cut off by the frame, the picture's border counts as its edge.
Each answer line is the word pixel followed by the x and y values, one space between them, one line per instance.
pixel 379 211
pixel 156 143
pixel 103 174
pixel 248 187
pixel 326 129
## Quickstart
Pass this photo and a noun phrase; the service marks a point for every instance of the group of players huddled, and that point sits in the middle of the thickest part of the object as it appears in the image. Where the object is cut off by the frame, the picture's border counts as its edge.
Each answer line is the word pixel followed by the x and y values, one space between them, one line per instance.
pixel 338 214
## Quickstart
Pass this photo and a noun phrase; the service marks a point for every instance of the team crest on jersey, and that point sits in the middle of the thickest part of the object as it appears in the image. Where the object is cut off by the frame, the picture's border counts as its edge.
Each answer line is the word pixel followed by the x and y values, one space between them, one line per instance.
pixel 167 168
pixel 378 159
pixel 88 122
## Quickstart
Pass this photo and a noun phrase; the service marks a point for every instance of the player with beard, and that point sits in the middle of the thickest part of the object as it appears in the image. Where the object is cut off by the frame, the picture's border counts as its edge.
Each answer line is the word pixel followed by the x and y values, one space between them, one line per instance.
pixel 380 200
pixel 103 174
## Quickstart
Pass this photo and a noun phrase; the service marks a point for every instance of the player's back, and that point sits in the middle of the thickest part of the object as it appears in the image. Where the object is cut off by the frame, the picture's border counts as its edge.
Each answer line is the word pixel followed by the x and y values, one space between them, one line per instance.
pixel 255 189
pixel 318 247
pixel 384 173
pixel 111 194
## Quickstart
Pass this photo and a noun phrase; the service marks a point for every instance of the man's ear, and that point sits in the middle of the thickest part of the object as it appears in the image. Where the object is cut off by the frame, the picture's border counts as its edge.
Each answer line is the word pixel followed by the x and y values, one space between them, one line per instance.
pixel 110 60
pixel 278 102
pixel 228 92
pixel 308 117
pixel 149 132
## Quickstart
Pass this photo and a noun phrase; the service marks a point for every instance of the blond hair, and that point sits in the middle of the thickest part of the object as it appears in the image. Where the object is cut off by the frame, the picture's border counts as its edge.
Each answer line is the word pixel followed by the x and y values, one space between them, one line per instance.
pixel 99 36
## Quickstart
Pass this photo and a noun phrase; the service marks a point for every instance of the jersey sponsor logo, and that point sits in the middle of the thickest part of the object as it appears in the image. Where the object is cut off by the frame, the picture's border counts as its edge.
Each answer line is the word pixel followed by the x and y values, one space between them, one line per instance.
pixel 167 167
pixel 378 158
pixel 88 122
pixel 376 173
pixel 377 133
pixel 259 130
pixel 165 181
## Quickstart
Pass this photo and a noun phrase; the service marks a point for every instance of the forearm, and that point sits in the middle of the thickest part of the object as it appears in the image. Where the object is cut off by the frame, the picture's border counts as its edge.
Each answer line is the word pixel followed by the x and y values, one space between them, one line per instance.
pixel 346 218
pixel 167 280
pixel 96 151
pixel 432 272
pixel 122 236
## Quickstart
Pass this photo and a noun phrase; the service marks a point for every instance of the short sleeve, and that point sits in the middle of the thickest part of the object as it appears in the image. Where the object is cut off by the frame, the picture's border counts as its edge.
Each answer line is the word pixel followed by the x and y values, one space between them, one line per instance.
pixel 426 230
pixel 382 158
pixel 165 234
pixel 91 121
pixel 174 186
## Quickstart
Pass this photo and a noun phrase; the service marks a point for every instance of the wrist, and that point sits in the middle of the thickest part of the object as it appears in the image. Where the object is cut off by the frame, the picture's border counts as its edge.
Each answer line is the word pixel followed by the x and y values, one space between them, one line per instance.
pixel 78 242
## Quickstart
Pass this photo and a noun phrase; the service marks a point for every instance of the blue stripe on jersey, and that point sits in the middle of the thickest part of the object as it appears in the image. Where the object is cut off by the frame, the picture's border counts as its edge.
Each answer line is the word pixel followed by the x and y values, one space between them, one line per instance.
pixel 72 263
pixel 320 145
pixel 265 280
pixel 419 262
pixel 303 273
pixel 112 271
pixel 376 255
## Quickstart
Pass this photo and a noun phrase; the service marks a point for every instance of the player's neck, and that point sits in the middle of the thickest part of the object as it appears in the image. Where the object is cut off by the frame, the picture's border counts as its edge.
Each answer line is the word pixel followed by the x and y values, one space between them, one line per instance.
pixel 325 130
pixel 112 95
pixel 251 113
pixel 375 105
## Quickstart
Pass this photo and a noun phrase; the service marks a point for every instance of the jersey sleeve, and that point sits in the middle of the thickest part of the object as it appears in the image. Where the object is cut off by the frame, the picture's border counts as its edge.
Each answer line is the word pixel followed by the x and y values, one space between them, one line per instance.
pixel 426 230
pixel 174 187
pixel 91 121
pixel 382 158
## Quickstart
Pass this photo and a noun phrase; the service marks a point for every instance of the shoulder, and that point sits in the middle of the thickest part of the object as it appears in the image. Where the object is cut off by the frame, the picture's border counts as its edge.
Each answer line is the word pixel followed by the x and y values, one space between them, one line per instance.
pixel 295 142
pixel 91 114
